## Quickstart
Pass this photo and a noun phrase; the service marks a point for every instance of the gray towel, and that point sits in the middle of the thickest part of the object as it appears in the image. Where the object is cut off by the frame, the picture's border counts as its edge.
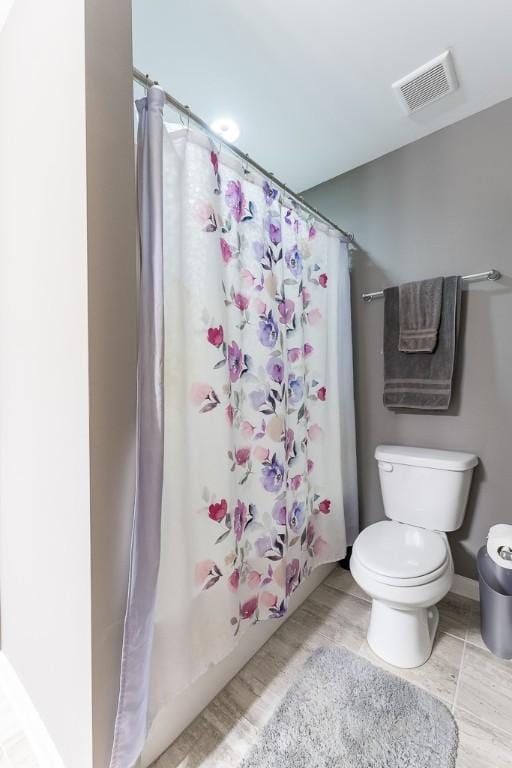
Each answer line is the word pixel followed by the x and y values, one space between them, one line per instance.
pixel 420 314
pixel 423 380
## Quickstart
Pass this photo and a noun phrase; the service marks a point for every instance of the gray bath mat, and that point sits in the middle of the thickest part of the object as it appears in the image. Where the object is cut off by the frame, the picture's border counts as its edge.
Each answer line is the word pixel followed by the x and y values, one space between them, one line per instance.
pixel 343 712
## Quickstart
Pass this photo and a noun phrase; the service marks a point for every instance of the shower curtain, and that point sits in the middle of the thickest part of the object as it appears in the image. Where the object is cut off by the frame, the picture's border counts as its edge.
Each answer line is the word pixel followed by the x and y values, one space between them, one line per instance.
pixel 259 481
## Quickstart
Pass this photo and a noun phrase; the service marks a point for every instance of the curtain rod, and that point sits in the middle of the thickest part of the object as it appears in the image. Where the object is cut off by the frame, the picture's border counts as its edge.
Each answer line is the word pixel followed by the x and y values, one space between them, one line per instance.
pixel 147 82
pixel 491 274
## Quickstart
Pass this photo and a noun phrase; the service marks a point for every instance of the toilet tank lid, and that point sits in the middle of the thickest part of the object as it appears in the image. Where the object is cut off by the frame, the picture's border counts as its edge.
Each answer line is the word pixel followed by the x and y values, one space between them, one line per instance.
pixel 434 458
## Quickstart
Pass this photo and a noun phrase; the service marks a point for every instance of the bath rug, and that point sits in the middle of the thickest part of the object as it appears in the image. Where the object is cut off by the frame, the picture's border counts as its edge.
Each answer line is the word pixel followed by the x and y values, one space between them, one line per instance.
pixel 343 712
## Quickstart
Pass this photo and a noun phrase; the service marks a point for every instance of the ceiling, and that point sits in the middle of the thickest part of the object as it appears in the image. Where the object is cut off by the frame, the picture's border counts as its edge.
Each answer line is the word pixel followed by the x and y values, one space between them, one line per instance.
pixel 310 83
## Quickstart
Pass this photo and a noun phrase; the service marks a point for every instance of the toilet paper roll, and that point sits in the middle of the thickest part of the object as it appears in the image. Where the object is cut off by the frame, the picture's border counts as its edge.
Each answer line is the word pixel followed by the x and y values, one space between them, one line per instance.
pixel 499 545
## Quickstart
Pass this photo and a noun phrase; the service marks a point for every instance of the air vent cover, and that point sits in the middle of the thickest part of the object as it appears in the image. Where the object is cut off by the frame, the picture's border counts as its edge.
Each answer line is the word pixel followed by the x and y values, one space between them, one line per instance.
pixel 427 84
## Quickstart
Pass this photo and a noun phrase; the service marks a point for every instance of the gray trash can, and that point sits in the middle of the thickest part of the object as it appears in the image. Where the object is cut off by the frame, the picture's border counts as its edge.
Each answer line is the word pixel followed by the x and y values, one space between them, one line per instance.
pixel 495 605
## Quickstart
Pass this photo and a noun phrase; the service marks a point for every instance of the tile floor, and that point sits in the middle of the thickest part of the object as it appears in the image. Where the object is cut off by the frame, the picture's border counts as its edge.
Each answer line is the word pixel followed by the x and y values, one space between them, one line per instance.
pixel 461 672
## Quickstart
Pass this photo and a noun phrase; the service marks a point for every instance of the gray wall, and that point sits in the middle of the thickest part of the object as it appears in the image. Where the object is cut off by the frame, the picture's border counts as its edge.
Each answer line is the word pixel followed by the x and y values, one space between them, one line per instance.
pixel 442 205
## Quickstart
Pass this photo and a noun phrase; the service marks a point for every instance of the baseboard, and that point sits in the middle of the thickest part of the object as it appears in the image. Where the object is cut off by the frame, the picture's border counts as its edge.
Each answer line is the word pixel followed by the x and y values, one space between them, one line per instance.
pixel 466 587
pixel 27 717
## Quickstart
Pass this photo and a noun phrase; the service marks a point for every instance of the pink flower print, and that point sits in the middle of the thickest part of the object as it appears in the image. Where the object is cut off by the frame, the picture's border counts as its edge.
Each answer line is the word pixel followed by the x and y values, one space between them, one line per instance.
pixel 253 579
pixel 321 393
pixel 240 301
pixel 214 161
pixel 225 250
pixel 260 453
pixel 294 354
pixel 308 349
pixel 247 277
pixel 235 199
pixel 310 465
pixel 242 456
pixel 259 306
pixel 314 316
pixel 295 482
pixel 218 511
pixel 230 412
pixel 203 395
pixel 306 296
pixel 204 212
pixel 319 546
pixel 234 580
pixel 239 519
pixel 247 428
pixel 268 599
pixel 323 280
pixel 207 573
pixel 314 432
pixel 325 506
pixel 216 336
pixel 312 232
pixel 234 361
pixel 248 608
pixel 286 309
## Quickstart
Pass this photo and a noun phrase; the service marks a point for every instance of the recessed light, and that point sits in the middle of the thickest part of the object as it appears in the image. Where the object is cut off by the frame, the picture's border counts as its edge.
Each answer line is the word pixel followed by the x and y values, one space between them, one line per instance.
pixel 226 128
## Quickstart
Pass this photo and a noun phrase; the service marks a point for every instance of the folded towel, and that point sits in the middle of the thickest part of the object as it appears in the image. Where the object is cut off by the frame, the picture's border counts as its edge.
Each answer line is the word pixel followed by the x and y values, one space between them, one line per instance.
pixel 420 314
pixel 424 380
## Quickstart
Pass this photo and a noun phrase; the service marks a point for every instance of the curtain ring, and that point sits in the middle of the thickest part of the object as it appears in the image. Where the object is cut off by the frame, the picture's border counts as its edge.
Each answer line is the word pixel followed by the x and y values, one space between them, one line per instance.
pixel 188 118
pixel 245 167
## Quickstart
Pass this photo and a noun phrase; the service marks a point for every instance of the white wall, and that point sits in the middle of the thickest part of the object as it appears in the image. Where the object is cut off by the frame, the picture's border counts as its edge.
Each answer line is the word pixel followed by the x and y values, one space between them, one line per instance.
pixel 67 359
pixel 44 408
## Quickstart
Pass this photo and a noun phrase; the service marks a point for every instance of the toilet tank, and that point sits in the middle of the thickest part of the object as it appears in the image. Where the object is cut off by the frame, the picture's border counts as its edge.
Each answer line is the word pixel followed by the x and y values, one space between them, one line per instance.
pixel 425 486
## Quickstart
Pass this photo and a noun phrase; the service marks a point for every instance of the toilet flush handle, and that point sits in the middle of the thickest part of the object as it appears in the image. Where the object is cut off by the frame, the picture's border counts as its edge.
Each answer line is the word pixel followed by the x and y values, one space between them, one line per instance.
pixel 385 466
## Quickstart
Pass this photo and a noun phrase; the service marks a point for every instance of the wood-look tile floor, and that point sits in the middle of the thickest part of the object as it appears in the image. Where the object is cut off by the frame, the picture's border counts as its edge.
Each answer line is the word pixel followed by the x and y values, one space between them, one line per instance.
pixel 461 672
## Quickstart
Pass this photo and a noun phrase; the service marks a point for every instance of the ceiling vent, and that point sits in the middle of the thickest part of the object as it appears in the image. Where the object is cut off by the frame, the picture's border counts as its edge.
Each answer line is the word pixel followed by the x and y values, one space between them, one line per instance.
pixel 427 84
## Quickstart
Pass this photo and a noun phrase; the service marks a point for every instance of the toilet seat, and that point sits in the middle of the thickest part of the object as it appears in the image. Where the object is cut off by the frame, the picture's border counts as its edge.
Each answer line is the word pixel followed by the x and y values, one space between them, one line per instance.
pixel 402 555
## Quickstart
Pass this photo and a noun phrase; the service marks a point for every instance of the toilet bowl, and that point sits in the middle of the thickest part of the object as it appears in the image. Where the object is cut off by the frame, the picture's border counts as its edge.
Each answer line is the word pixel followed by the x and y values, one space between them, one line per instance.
pixel 405 564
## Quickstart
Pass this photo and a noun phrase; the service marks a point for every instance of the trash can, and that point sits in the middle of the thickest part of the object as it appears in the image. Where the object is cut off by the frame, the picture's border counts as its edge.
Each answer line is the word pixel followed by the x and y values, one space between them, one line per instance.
pixel 495 605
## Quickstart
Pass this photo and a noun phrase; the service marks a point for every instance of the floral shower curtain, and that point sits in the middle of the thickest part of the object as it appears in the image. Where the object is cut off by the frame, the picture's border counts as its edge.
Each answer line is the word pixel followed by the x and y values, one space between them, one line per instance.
pixel 259 483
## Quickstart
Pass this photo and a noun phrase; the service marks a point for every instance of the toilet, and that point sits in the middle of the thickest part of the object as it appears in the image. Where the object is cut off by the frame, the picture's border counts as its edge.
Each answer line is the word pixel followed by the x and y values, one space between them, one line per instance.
pixel 404 563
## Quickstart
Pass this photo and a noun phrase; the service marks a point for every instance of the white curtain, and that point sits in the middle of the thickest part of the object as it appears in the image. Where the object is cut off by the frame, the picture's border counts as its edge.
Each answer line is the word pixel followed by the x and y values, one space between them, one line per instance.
pixel 245 360
pixel 253 488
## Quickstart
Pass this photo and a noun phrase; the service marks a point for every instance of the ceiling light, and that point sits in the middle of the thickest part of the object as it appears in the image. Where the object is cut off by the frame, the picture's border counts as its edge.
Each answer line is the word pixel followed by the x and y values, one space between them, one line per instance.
pixel 226 128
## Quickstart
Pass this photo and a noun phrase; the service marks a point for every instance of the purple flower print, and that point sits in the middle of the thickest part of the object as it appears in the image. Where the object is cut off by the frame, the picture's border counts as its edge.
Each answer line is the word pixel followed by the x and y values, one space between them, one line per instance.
pixel 258 398
pixel 235 199
pixel 259 250
pixel 297 516
pixel 286 309
pixel 275 369
pixel 267 331
pixel 234 361
pixel 295 389
pixel 269 192
pixel 240 519
pixel 263 546
pixel 279 512
pixel 294 261
pixel 292 576
pixel 272 475
pixel 273 226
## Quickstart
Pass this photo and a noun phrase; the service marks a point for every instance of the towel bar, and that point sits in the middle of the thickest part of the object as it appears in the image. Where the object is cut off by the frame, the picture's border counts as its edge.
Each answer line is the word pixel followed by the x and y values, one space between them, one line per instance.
pixel 491 274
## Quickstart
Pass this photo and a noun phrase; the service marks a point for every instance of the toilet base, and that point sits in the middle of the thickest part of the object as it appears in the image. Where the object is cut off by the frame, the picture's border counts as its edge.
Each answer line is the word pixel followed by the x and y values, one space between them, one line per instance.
pixel 402 638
